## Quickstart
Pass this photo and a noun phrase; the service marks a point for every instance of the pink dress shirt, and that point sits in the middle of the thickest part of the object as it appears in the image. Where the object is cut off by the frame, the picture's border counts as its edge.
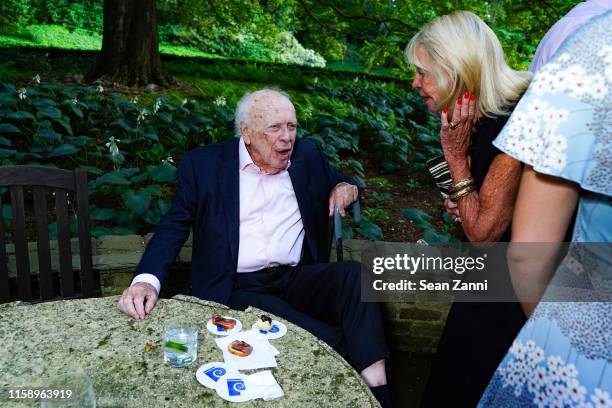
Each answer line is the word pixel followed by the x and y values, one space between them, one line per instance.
pixel 271 229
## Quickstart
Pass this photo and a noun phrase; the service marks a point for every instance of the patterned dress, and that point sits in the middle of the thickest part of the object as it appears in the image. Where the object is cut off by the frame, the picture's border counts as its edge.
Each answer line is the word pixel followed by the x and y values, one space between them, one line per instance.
pixel 563 127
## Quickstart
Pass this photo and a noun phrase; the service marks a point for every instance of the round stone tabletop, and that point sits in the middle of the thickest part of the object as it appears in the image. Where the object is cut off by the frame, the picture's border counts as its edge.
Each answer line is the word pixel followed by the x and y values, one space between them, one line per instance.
pixel 124 359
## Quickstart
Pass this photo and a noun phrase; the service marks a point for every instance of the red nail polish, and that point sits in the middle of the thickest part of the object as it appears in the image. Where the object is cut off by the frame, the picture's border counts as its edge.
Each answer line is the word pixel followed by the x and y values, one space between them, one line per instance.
pixel 466 95
pixel 459 101
pixel 444 110
pixel 473 97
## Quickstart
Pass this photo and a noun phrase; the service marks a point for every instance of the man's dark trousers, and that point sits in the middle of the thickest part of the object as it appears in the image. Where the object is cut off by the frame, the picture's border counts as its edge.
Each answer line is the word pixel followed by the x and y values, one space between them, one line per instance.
pixel 324 299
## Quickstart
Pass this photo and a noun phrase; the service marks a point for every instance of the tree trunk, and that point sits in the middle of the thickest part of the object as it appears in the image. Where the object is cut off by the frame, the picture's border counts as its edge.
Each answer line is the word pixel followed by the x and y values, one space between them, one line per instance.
pixel 130 52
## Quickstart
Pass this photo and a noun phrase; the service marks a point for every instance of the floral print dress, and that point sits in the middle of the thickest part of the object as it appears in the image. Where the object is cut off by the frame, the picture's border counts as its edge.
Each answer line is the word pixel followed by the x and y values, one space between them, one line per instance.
pixel 563 127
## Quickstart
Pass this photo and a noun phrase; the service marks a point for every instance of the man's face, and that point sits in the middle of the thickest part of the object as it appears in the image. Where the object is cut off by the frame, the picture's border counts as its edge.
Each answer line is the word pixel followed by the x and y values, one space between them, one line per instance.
pixel 271 135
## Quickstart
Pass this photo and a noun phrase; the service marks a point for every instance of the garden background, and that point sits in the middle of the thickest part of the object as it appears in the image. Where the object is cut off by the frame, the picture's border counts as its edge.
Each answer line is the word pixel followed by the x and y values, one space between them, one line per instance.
pixel 129 121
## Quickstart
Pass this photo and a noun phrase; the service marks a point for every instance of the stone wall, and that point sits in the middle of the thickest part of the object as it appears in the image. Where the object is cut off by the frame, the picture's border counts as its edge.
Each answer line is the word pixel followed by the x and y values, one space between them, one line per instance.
pixel 411 326
pixel 414 326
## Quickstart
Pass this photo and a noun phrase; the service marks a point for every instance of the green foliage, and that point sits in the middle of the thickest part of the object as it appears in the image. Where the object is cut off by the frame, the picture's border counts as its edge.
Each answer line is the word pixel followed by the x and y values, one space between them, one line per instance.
pixel 367 34
pixel 423 221
pixel 52 36
pixel 72 14
pixel 380 182
pixel 78 126
pixel 376 214
pixel 413 184
pixel 69 126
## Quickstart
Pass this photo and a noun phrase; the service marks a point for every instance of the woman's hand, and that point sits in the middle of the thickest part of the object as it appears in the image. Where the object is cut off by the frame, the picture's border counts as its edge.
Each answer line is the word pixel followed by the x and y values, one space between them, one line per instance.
pixel 452 209
pixel 455 135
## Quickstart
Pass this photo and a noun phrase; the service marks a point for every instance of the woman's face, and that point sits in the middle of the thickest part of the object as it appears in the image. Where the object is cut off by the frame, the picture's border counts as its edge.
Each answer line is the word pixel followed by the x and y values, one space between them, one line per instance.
pixel 425 83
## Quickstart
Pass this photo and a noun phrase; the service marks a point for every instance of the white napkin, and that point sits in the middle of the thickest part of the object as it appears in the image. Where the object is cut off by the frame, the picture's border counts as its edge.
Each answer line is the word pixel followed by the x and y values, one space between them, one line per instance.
pixel 263 385
pixel 261 357
pixel 241 388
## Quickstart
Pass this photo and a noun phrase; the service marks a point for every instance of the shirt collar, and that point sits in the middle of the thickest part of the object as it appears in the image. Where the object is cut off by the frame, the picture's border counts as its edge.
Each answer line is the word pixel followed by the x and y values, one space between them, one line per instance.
pixel 246 162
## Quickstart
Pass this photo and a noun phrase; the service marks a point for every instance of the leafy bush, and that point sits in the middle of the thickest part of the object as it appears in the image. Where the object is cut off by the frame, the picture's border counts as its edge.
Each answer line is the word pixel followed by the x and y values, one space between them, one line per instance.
pixel 127 147
pixel 431 234
pixel 352 118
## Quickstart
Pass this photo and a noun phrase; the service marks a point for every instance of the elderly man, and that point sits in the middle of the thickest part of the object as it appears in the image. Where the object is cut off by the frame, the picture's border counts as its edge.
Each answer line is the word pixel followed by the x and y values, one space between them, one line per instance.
pixel 259 208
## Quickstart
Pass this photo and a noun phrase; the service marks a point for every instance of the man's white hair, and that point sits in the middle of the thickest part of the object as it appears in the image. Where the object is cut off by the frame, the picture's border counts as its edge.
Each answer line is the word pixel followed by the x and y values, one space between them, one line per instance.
pixel 244 105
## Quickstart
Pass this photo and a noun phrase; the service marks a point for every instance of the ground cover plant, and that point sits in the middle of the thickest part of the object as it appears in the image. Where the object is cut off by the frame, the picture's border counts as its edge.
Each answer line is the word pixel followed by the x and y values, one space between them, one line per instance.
pixel 130 142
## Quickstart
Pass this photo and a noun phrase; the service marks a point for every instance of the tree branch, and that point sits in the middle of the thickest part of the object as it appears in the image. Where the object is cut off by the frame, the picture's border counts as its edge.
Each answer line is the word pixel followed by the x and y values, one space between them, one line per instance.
pixel 384 21
pixel 316 19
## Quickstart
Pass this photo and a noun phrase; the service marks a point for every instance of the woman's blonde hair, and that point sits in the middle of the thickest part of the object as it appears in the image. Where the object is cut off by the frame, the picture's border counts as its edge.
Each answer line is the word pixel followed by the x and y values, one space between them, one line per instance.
pixel 465 55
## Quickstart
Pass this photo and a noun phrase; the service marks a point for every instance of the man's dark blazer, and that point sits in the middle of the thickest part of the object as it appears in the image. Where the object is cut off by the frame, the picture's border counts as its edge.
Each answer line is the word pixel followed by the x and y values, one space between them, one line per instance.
pixel 207 200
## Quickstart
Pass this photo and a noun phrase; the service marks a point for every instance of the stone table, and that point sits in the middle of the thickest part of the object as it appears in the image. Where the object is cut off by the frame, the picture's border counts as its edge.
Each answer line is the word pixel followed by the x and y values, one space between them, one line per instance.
pixel 91 335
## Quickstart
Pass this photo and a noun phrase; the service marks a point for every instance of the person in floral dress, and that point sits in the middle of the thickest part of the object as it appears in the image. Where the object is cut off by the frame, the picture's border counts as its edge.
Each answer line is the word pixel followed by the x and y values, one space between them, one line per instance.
pixel 562 131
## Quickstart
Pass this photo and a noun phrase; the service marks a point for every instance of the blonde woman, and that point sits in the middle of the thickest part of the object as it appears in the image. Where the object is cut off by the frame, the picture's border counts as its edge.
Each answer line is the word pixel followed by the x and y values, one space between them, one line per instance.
pixel 461 74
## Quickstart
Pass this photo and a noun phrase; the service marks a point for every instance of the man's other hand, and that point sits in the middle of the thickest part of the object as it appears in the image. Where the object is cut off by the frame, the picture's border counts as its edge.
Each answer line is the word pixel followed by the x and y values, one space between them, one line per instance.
pixel 343 195
pixel 138 300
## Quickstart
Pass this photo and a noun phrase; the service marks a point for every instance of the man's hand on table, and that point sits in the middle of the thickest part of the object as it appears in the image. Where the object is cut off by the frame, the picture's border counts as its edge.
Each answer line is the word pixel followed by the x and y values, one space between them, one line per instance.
pixel 343 195
pixel 138 300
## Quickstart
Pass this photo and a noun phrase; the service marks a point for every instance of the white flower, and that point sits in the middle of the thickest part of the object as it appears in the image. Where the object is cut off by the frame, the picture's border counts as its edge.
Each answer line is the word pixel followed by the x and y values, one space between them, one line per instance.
pixel 184 102
pixel 74 101
pixel 142 115
pixel 537 145
pixel 575 266
pixel 514 130
pixel 579 86
pixel 601 399
pixel 22 93
pixel 550 67
pixel 558 143
pixel 555 161
pixel 536 107
pixel 356 79
pixel 519 119
pixel 516 349
pixel 560 392
pixel 575 71
pixel 36 79
pixel 540 86
pixel 562 116
pixel 158 104
pixel 538 355
pixel 576 391
pixel 533 385
pixel 168 160
pixel 135 100
pixel 598 87
pixel 564 57
pixel 99 88
pixel 552 84
pixel 112 146
pixel 540 400
pixel 517 391
pixel 554 361
pixel 307 112
pixel 532 130
pixel 537 380
pixel 220 101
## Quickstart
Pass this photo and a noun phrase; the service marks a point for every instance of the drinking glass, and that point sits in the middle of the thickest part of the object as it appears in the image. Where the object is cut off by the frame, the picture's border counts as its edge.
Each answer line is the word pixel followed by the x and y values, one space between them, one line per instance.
pixel 180 343
pixel 77 385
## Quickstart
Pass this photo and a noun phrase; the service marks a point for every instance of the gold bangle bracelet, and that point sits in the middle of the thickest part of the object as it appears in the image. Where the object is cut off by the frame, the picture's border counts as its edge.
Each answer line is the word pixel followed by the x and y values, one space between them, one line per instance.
pixel 461 184
pixel 462 193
